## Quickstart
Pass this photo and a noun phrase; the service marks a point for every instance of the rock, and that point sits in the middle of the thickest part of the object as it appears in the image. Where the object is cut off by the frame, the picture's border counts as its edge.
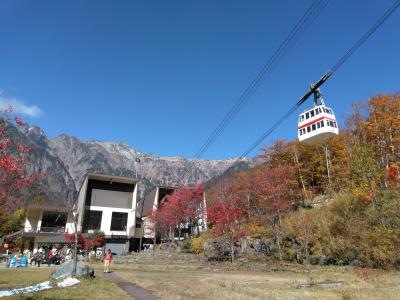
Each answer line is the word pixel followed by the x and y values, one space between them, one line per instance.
pixel 397 262
pixel 260 246
pixel 323 284
pixel 318 260
pixel 322 260
pixel 66 270
pixel 217 249
pixel 355 263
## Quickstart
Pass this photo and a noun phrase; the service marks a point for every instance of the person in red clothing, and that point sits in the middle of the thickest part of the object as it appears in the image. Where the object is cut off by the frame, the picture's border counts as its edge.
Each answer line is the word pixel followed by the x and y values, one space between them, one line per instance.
pixel 49 258
pixel 107 261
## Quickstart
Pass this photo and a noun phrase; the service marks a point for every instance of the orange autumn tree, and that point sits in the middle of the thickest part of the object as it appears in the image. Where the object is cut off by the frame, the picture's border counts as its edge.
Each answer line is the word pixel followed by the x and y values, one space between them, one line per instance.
pixel 375 139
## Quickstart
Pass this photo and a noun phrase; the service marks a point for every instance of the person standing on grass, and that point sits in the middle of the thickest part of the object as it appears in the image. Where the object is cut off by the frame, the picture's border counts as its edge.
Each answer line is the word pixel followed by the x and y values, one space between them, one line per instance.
pixel 49 258
pixel 39 258
pixel 107 261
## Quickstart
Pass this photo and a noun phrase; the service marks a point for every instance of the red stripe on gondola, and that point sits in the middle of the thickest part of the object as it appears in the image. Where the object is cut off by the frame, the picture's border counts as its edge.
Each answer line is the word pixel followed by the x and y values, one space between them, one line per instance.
pixel 315 121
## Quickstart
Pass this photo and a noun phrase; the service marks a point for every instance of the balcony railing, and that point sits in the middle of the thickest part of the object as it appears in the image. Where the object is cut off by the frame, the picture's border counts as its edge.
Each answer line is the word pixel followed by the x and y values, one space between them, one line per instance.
pixel 55 229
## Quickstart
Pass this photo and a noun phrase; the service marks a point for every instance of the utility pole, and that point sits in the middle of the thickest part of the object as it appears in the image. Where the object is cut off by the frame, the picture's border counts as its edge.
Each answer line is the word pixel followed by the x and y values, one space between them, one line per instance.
pixel 142 226
pixel 75 216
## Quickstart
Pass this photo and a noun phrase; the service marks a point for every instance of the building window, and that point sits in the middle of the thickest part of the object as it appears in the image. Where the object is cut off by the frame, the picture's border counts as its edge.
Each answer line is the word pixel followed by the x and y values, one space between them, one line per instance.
pixel 119 221
pixel 93 219
pixel 307 115
pixel 53 221
pixel 319 125
pixel 308 128
pixel 313 127
pixel 312 113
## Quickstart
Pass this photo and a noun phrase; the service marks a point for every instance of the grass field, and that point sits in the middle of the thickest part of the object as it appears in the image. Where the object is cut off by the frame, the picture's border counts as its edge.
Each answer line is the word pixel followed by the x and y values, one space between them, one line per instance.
pixel 185 282
pixel 219 281
pixel 97 288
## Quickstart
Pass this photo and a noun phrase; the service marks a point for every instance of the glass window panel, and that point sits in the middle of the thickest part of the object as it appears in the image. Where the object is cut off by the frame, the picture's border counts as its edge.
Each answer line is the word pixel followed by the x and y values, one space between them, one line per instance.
pixel 119 221
pixel 92 220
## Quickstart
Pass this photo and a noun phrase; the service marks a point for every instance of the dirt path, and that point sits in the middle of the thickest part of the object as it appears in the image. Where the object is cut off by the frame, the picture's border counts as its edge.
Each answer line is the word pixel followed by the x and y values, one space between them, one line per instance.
pixel 131 289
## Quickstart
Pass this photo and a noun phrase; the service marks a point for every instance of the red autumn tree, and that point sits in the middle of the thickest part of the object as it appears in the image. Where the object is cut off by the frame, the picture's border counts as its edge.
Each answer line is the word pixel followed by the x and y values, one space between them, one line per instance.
pixel 275 191
pixel 227 217
pixel 182 208
pixel 91 241
pixel 185 207
pixel 94 240
pixel 70 237
pixel 15 181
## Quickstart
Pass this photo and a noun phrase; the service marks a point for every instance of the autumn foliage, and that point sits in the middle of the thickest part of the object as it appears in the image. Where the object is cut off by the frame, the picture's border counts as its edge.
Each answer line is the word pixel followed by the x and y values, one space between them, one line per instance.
pixel 331 199
pixel 88 242
pixel 16 182
pixel 182 209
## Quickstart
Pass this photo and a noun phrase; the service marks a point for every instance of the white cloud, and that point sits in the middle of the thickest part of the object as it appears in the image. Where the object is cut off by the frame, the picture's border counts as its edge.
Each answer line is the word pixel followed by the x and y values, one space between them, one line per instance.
pixel 19 107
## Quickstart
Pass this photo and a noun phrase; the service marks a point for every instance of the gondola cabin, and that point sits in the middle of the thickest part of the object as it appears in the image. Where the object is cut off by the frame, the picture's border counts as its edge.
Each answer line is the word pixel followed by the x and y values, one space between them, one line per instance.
pixel 317 125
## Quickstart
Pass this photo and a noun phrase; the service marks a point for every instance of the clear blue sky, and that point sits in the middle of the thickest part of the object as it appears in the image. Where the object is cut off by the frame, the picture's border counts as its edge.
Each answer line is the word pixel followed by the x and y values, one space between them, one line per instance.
pixel 159 75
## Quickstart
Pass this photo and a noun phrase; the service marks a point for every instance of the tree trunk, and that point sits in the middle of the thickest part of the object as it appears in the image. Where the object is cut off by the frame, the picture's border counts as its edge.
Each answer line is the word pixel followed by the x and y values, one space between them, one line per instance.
pixel 296 160
pixel 327 158
pixel 155 239
pixel 305 240
pixel 232 251
pixel 170 237
pixel 278 237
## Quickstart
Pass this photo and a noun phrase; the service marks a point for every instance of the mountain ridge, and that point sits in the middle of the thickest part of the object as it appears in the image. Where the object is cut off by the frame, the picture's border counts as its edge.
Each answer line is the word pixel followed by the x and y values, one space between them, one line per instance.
pixel 69 159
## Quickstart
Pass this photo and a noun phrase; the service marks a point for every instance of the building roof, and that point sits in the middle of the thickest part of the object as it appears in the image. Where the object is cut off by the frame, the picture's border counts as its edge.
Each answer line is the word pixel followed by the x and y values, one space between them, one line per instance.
pixel 53 239
pixel 112 178
pixel 145 206
pixel 48 206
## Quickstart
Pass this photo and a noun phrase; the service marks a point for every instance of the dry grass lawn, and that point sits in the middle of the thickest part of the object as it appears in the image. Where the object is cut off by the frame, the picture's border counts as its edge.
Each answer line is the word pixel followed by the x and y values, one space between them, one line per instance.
pixel 175 282
pixel 97 288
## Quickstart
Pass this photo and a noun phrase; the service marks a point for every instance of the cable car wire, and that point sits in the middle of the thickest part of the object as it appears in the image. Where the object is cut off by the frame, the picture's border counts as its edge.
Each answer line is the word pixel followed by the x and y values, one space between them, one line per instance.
pixel 324 78
pixel 313 11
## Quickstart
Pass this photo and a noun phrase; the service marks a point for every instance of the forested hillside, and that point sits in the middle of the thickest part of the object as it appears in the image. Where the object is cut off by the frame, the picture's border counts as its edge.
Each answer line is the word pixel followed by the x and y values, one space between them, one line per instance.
pixel 336 202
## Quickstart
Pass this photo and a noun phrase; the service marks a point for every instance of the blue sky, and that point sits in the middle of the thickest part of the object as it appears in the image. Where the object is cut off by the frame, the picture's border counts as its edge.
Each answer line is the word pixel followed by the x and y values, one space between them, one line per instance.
pixel 160 75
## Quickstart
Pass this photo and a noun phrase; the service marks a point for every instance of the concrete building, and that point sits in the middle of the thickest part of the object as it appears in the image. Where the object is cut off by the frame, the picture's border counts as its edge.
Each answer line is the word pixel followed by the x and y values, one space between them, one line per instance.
pixel 106 203
pixel 45 224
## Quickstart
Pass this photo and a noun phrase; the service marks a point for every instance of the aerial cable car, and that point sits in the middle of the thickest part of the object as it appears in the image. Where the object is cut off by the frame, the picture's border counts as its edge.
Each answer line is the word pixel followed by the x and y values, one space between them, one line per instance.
pixel 317 124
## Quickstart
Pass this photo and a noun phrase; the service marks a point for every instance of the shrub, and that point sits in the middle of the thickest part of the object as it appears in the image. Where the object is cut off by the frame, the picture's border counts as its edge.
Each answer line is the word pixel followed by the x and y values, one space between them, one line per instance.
pixel 197 245
pixel 350 231
pixel 186 246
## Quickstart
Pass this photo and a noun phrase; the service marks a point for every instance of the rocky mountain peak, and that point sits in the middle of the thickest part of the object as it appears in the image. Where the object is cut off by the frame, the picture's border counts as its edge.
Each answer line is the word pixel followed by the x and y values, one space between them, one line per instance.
pixel 69 159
